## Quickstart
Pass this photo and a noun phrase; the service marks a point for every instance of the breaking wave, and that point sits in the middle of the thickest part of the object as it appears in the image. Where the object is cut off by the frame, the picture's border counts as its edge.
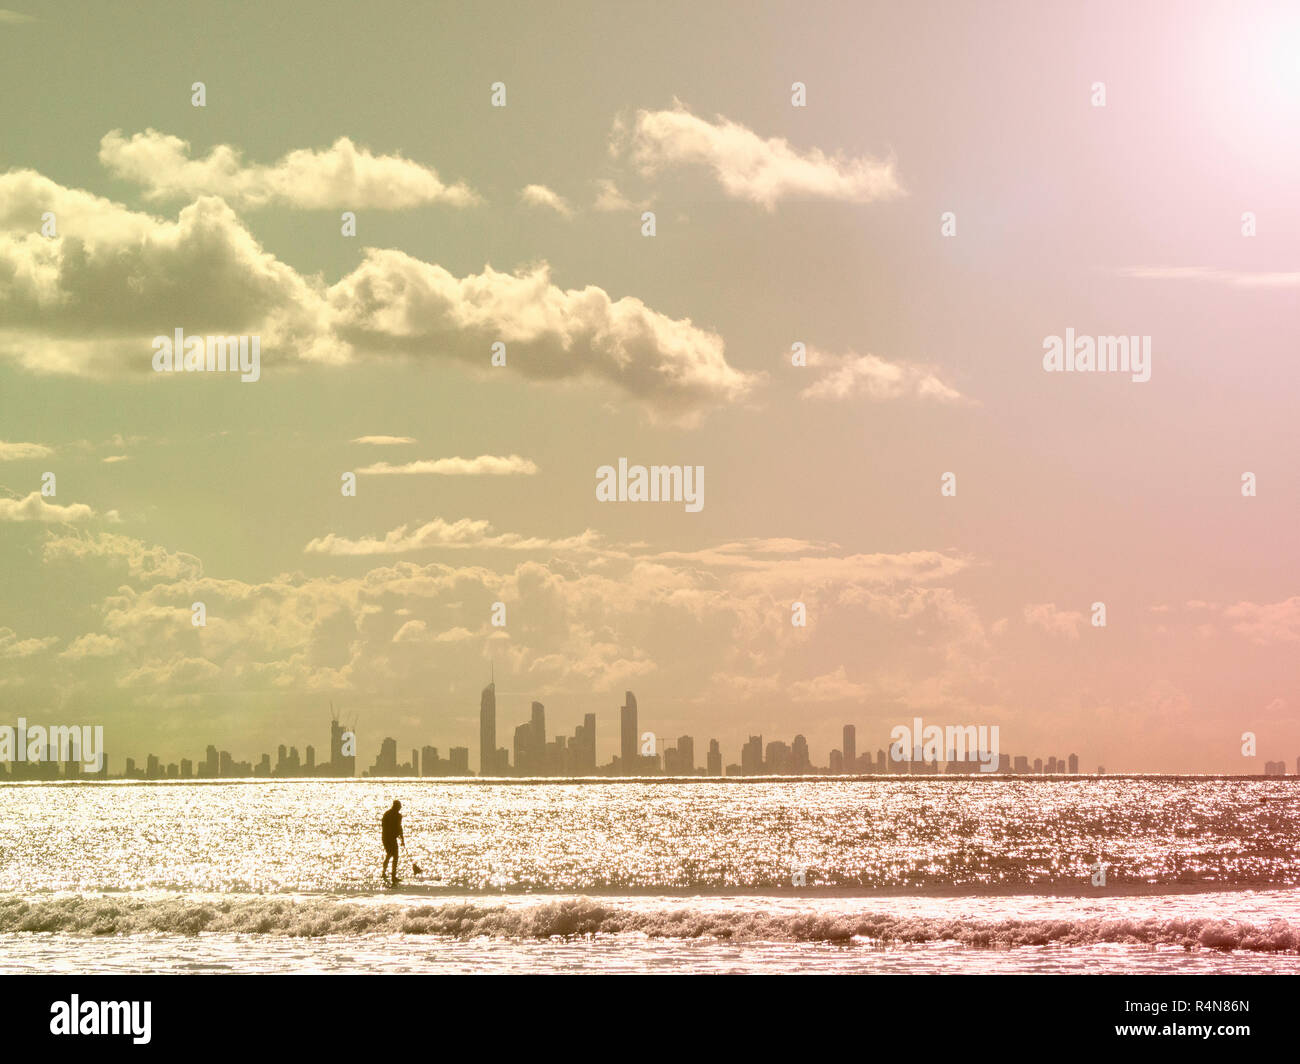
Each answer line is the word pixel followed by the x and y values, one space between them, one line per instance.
pixel 584 916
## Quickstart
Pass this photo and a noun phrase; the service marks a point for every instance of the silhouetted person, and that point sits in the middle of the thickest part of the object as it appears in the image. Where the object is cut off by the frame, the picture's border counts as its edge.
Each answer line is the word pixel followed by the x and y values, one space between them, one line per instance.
pixel 392 829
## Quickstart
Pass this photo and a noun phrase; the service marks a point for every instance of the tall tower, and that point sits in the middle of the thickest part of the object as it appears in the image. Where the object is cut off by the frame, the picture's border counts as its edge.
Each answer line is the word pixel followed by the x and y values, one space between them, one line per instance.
pixel 589 743
pixel 850 749
pixel 627 721
pixel 487 729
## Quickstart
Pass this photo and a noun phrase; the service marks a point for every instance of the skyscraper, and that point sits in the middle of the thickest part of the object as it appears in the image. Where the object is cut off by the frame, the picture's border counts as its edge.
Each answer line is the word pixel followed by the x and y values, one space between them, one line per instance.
pixel 801 761
pixel 628 736
pixel 524 765
pixel 686 756
pixel 589 743
pixel 540 765
pixel 850 748
pixel 487 730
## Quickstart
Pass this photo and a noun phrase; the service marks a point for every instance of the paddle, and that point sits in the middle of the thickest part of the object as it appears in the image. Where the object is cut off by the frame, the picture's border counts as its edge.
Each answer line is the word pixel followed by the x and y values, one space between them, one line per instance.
pixel 414 867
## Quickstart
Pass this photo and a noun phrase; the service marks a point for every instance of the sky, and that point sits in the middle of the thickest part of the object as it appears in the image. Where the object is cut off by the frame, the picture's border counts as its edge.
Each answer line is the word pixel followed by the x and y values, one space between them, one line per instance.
pixel 953 186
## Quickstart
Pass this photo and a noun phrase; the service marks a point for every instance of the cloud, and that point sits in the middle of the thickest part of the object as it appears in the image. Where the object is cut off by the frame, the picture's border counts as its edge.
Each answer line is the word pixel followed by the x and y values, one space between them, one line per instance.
pixel 14 452
pixel 137 560
pixel 384 441
pixel 13 647
pixel 541 196
pixel 90 300
pixel 870 377
pixel 1269 623
pixel 749 167
pixel 1053 621
pixel 341 176
pixel 15 18
pixel 93 645
pixel 393 302
pixel 112 458
pixel 831 687
pixel 418 632
pixel 35 508
pixel 609 198
pixel 1209 274
pixel 483 465
pixel 438 533
pixel 585 617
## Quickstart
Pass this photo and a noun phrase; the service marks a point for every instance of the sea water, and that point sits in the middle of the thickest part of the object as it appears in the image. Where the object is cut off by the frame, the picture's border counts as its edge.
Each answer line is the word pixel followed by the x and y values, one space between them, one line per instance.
pixel 955 874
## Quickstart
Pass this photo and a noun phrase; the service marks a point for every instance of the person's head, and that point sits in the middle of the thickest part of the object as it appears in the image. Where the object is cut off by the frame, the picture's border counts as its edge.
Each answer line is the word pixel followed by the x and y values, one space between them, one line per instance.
pixel 397 804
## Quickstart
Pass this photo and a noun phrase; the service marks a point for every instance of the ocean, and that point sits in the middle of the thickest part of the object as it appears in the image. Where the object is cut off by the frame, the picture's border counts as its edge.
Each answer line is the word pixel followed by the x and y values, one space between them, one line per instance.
pixel 878 875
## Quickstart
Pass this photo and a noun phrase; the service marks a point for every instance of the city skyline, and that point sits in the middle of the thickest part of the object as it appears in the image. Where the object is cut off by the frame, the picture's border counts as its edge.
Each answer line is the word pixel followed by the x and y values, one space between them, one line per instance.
pixel 575 757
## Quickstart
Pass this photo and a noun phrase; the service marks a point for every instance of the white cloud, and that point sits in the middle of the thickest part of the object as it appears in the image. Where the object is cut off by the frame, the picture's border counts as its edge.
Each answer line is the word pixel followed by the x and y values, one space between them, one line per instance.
pixel 541 196
pixel 393 302
pixel 1209 274
pixel 870 377
pixel 384 441
pixel 14 452
pixel 13 647
pixel 1054 621
pixel 1267 623
pixel 483 465
pixel 749 167
pixel 342 176
pixel 831 687
pixel 90 301
pixel 135 559
pixel 35 508
pixel 93 645
pixel 465 533
pixel 609 198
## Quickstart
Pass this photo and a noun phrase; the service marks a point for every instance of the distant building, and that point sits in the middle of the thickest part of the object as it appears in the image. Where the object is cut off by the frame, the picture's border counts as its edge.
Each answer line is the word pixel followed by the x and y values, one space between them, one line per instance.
pixel 779 760
pixel 1074 764
pixel 386 760
pixel 489 757
pixel 628 739
pixel 686 755
pixel 849 757
pixel 715 758
pixel 801 761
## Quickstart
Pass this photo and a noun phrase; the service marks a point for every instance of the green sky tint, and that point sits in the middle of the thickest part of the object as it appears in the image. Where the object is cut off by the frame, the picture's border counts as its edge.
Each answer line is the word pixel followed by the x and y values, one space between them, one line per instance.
pixel 822 482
